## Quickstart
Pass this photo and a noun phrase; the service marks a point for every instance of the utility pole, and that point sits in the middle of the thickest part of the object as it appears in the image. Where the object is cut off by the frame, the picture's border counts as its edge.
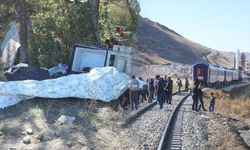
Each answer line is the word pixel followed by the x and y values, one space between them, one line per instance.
pixel 23 31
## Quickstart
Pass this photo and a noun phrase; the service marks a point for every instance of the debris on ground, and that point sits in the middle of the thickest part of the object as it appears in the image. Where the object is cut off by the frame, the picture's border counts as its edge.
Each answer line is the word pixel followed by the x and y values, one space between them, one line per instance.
pixel 29 131
pixel 59 70
pixel 66 119
pixel 27 140
pixel 23 71
pixel 44 137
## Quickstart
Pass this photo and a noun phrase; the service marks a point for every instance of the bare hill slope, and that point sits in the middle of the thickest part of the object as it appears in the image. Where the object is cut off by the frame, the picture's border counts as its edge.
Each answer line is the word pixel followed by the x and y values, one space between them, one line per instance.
pixel 157 44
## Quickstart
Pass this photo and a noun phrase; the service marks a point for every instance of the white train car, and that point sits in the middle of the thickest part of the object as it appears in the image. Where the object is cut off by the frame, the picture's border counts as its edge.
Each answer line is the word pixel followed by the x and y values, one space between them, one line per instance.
pixel 213 74
pixel 221 75
pixel 236 75
pixel 209 74
pixel 229 75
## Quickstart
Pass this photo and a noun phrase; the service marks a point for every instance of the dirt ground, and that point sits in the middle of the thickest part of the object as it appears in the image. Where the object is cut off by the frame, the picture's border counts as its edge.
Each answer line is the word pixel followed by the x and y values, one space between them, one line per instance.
pixel 94 127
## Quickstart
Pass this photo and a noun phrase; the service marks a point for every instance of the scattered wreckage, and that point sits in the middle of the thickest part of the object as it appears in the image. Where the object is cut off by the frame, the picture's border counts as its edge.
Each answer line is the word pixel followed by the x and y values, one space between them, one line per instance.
pixel 93 73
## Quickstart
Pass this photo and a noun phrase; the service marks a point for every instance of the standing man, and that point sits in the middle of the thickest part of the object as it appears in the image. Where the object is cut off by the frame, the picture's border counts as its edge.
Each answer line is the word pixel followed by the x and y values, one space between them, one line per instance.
pixel 160 91
pixel 179 84
pixel 134 88
pixel 140 91
pixel 165 91
pixel 195 96
pixel 151 90
pixel 169 90
pixel 156 79
pixel 200 97
pixel 186 85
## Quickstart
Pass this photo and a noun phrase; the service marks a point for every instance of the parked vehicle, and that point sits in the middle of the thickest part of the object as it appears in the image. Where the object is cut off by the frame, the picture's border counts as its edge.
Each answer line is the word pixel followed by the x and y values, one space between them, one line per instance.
pixel 209 74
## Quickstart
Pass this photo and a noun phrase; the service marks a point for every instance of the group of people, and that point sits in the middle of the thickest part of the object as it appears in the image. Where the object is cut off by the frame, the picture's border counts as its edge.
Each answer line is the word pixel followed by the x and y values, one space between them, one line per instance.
pixel 197 95
pixel 161 89
pixel 158 87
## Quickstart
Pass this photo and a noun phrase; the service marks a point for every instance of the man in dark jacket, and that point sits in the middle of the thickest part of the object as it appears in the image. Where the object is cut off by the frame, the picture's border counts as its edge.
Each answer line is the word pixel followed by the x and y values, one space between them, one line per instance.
pixel 200 97
pixel 179 84
pixel 195 95
pixel 186 85
pixel 160 91
pixel 151 90
pixel 169 90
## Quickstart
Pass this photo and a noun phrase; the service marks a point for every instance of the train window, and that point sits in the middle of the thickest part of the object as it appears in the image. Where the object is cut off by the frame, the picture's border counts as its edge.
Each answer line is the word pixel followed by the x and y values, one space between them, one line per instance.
pixel 112 60
pixel 200 71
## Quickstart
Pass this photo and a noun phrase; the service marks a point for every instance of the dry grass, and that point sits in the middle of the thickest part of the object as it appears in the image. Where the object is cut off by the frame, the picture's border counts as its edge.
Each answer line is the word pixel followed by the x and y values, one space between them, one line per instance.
pixel 228 106
pixel 221 137
pixel 224 142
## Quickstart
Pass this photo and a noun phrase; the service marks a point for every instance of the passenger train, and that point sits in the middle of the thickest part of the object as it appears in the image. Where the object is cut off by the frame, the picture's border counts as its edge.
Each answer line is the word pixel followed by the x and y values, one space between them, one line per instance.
pixel 209 74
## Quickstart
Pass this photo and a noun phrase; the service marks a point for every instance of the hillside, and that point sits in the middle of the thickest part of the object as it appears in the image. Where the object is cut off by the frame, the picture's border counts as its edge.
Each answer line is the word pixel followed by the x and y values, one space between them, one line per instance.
pixel 231 56
pixel 157 44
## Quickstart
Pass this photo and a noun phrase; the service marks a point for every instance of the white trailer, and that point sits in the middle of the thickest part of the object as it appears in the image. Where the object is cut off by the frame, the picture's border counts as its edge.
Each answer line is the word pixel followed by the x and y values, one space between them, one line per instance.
pixel 90 57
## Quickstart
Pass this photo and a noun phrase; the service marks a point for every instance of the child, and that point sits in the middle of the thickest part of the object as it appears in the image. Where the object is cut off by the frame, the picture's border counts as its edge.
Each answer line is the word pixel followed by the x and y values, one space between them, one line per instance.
pixel 212 103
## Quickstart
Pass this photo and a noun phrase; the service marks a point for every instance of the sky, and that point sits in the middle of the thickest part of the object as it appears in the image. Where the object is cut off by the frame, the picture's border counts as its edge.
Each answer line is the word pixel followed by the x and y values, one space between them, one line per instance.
pixel 218 24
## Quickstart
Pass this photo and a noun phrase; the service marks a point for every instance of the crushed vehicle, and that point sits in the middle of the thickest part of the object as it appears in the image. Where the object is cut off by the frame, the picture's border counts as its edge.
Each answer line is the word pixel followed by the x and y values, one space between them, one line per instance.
pixel 93 73
pixel 106 78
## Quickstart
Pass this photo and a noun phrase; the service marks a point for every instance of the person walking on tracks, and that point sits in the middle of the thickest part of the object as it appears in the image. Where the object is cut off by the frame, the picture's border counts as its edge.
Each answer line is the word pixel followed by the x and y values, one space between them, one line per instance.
pixel 134 88
pixel 212 103
pixel 160 91
pixel 186 85
pixel 200 97
pixel 195 95
pixel 179 84
pixel 151 90
pixel 169 90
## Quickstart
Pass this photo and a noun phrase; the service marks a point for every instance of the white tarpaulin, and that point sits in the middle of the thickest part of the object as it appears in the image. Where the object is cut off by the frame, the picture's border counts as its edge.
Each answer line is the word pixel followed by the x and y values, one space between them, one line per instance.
pixel 104 84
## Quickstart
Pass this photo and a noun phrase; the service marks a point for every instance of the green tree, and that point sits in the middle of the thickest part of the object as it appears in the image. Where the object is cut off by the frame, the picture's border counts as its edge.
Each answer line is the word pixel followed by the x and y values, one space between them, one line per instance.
pixel 55 25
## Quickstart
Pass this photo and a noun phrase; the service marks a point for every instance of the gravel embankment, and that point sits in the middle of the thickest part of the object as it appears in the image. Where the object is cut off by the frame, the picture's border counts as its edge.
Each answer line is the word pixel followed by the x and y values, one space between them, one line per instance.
pixel 145 132
pixel 205 130
pixel 194 128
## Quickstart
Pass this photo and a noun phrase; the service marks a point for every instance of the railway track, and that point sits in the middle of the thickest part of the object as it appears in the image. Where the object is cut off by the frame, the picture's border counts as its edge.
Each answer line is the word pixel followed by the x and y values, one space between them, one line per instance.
pixel 130 119
pixel 171 136
pixel 160 129
pixel 146 129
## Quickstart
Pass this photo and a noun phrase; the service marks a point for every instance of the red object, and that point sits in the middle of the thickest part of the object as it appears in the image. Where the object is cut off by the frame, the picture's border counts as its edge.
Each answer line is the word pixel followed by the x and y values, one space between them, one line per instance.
pixel 200 72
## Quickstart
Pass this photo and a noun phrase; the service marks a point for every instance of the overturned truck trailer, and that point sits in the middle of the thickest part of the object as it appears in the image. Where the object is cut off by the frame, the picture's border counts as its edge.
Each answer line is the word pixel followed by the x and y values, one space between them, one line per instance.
pixel 84 58
pixel 107 80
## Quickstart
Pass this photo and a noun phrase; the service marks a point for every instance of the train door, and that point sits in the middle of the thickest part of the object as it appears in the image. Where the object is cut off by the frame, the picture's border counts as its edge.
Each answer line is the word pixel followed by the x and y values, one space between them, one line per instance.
pixel 200 73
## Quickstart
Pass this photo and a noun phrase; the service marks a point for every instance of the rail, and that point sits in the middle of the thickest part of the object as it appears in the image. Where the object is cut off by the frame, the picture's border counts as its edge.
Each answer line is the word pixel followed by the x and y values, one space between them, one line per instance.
pixel 165 141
